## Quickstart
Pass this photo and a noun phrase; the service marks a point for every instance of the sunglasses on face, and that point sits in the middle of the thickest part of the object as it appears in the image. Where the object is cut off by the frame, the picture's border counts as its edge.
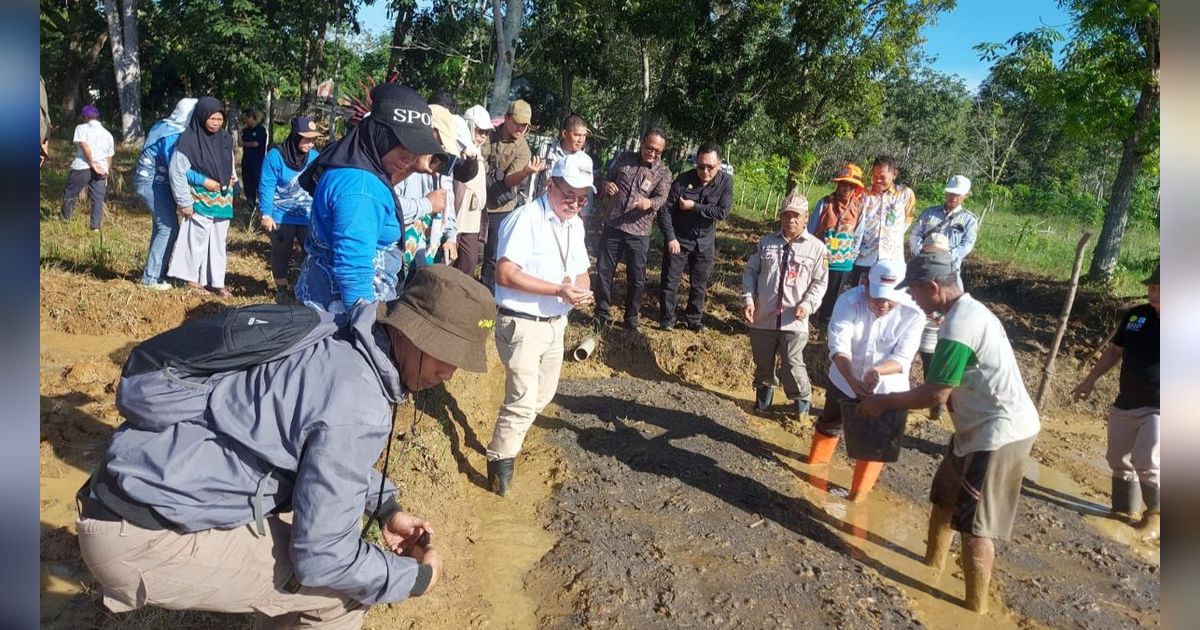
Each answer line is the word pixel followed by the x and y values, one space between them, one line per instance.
pixel 652 150
pixel 706 167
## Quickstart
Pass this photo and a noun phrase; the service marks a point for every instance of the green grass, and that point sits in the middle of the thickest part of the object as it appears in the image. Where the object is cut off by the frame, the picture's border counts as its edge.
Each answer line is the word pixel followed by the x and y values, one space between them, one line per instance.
pixel 1042 244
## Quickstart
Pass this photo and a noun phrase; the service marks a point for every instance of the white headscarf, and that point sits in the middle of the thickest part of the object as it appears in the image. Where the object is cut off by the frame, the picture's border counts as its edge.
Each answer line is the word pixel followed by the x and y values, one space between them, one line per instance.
pixel 173 124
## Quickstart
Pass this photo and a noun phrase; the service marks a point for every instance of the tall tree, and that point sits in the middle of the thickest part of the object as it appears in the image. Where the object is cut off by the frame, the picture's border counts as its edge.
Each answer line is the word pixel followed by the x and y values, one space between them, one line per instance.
pixel 123 37
pixel 1113 62
pixel 507 30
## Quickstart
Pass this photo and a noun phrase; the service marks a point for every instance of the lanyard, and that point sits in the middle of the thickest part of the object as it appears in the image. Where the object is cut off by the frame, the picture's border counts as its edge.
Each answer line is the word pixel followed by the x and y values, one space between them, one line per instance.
pixel 562 253
pixel 783 272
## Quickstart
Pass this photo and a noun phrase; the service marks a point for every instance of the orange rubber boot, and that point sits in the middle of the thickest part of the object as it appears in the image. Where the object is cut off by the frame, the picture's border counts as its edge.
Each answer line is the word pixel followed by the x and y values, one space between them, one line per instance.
pixel 866 473
pixel 822 448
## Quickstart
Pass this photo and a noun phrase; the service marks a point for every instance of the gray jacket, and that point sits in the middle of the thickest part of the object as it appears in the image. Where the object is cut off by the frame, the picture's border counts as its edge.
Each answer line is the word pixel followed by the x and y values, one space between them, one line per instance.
pixel 305 429
pixel 781 276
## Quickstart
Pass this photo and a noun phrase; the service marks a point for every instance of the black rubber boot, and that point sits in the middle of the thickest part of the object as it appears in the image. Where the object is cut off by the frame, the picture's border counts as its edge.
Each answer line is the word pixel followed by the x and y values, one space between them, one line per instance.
pixel 500 472
pixel 1126 499
pixel 762 397
pixel 1150 526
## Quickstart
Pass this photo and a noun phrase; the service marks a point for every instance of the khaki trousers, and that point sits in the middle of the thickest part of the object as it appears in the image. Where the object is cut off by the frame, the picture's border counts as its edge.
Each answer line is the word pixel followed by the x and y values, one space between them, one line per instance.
pixel 532 354
pixel 1133 452
pixel 232 570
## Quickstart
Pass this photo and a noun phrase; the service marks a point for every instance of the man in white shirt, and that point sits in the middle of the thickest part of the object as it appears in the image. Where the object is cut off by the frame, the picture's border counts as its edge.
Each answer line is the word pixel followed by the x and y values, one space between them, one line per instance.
pixel 93 158
pixel 541 274
pixel 978 483
pixel 874 334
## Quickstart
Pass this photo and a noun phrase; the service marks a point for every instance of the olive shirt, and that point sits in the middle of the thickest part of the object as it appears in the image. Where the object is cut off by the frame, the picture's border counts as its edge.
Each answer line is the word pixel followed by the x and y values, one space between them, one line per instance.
pixel 503 158
pixel 636 181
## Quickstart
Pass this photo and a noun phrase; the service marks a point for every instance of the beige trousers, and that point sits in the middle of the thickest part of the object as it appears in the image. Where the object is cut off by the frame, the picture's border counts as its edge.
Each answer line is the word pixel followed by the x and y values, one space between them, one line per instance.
pixel 532 354
pixel 232 570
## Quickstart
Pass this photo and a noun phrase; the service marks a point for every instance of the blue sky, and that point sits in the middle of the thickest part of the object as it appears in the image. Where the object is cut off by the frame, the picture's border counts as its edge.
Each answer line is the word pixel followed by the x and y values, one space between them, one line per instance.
pixel 956 32
pixel 950 40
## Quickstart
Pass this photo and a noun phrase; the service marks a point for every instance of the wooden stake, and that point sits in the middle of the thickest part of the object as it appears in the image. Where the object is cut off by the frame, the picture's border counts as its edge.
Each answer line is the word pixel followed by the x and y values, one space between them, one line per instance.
pixel 1048 370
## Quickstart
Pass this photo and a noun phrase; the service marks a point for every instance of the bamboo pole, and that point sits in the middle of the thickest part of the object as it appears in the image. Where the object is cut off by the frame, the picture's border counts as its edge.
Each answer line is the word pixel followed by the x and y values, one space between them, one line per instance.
pixel 1048 370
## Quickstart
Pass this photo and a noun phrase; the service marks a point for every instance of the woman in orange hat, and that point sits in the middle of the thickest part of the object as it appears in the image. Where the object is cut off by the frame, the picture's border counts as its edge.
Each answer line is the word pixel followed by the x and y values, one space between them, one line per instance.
pixel 834 221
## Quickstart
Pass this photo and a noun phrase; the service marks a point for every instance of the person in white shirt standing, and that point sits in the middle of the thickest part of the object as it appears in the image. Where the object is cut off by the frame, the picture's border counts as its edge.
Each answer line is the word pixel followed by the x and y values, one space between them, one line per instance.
pixel 874 333
pixel 93 159
pixel 541 274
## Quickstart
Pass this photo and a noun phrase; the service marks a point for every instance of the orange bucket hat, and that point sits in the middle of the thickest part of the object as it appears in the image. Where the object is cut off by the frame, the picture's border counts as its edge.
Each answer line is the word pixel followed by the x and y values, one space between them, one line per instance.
pixel 850 173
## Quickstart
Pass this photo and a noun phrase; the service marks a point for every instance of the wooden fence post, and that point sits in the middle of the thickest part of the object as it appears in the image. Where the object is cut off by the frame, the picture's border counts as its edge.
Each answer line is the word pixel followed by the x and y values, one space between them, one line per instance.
pixel 1048 370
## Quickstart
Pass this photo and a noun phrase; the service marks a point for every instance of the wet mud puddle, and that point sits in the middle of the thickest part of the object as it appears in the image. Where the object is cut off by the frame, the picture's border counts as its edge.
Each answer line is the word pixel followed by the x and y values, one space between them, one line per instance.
pixel 683 509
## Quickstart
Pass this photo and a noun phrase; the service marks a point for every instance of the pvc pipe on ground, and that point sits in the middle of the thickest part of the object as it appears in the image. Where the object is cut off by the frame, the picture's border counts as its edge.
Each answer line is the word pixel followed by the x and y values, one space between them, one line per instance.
pixel 584 349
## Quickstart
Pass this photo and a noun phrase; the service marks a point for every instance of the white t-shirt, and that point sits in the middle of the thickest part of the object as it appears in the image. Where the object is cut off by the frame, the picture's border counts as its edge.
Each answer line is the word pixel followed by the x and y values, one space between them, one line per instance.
pixel 99 141
pixel 868 340
pixel 989 406
pixel 536 240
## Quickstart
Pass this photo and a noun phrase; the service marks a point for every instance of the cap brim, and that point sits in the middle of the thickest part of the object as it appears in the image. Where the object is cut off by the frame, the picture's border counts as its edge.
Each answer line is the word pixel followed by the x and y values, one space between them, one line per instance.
pixel 905 283
pixel 848 180
pixel 418 140
pixel 957 191
pixel 580 184
pixel 309 134
pixel 888 294
pixel 444 346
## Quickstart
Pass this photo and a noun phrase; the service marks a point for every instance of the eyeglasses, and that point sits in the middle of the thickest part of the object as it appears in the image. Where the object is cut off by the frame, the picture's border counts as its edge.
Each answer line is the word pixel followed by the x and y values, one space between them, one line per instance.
pixel 651 150
pixel 570 199
pixel 706 167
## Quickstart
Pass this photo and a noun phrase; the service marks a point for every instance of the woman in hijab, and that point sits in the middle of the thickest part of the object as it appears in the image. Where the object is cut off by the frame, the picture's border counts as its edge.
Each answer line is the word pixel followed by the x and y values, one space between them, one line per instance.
pixel 286 207
pixel 202 179
pixel 153 186
pixel 352 251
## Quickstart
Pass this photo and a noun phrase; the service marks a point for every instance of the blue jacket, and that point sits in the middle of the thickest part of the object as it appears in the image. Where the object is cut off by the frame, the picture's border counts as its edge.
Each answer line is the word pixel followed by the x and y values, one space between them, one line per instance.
pixel 279 193
pixel 155 158
pixel 353 222
pixel 305 428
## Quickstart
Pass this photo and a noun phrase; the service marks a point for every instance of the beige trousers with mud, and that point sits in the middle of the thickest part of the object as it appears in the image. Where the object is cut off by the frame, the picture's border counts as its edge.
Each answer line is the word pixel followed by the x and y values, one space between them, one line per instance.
pixel 233 570
pixel 532 354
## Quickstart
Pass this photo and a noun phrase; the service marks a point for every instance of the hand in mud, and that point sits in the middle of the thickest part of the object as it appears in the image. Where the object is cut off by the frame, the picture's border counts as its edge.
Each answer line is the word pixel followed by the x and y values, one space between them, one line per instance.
pixel 1082 391
pixel 748 313
pixel 402 532
pixel 872 406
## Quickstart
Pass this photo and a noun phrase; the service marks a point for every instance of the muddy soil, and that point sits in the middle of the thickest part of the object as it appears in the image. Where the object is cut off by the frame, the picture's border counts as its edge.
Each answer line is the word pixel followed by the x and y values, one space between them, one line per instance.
pixel 716 519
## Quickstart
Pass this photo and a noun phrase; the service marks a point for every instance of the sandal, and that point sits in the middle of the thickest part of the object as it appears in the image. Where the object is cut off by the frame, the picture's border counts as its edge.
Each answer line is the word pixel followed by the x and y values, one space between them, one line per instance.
pixel 195 287
pixel 223 292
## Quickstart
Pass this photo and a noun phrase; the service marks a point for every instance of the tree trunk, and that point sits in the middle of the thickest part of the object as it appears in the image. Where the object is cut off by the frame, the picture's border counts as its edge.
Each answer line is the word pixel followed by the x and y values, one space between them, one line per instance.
pixel 1116 216
pixel 405 11
pixel 310 76
pixel 567 81
pixel 69 91
pixel 123 36
pixel 508 30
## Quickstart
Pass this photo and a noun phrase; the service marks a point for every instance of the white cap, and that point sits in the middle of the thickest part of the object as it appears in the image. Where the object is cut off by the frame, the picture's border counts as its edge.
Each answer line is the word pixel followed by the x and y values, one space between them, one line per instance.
pixel 575 169
pixel 958 185
pixel 477 116
pixel 882 281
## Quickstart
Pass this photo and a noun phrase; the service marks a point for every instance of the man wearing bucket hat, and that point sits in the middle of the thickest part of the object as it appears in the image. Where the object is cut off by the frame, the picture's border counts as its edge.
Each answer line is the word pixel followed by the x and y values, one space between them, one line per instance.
pixel 873 336
pixel 1133 434
pixel 258 508
pixel 950 219
pixel 834 221
pixel 977 485
pixel 783 283
pixel 541 274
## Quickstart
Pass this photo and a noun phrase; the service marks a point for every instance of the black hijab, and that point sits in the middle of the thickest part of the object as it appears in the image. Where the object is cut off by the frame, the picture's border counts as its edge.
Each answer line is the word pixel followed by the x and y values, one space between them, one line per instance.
pixel 363 147
pixel 209 153
pixel 293 157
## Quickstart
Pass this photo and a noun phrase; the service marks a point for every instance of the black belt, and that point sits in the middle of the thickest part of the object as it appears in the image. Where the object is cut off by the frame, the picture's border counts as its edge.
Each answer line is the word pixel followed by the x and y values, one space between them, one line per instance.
pixel 512 313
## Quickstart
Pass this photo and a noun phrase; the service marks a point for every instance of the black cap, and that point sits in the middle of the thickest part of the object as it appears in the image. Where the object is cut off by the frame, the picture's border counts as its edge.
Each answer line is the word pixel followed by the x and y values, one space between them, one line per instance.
pixel 1153 279
pixel 927 266
pixel 407 115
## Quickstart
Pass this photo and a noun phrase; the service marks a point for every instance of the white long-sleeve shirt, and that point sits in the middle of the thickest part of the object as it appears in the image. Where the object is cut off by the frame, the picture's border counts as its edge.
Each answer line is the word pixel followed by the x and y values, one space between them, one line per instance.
pixel 868 340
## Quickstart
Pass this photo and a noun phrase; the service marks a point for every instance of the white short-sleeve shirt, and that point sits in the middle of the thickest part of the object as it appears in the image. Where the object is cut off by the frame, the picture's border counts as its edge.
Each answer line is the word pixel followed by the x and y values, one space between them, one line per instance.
pixel 868 340
pixel 99 141
pixel 533 238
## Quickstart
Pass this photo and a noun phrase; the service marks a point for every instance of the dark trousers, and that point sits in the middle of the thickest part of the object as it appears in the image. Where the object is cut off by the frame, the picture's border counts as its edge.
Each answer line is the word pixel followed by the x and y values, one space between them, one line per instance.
pixel 617 246
pixel 468 253
pixel 857 274
pixel 697 256
pixel 97 186
pixel 832 291
pixel 487 275
pixel 282 244
pixel 251 175
pixel 830 423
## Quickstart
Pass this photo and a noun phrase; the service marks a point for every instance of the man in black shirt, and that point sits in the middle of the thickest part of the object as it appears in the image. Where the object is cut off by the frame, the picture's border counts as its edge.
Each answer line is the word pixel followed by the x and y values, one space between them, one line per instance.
pixel 1133 451
pixel 698 199
pixel 254 149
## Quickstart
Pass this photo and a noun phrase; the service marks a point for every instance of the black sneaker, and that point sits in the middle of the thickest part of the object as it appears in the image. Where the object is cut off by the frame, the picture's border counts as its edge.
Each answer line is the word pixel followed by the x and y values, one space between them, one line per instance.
pixel 628 325
pixel 698 327
pixel 601 322
pixel 666 326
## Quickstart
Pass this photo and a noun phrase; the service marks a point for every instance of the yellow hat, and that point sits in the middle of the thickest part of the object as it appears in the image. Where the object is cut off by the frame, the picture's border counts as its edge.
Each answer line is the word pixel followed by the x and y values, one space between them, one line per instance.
pixel 851 174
